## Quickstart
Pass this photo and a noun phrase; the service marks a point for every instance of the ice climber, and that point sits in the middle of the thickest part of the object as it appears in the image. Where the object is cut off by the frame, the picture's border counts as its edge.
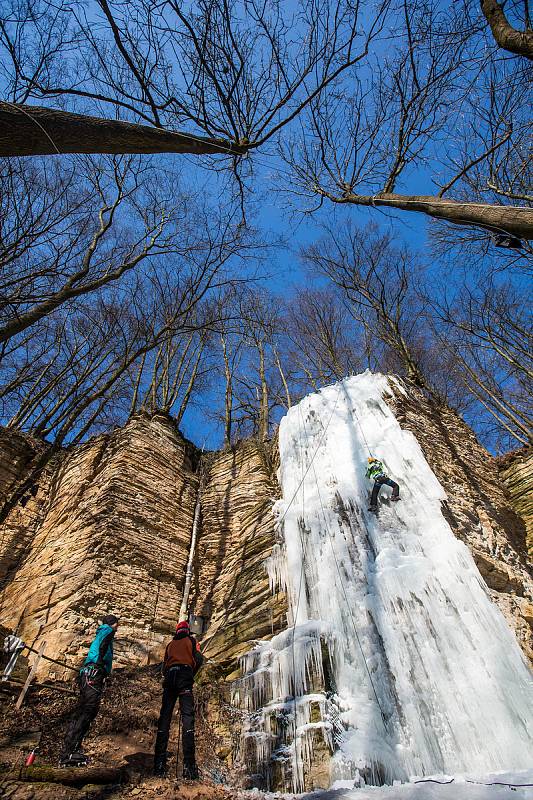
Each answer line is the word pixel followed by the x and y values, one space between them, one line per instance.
pixel 96 668
pixel 377 472
pixel 182 661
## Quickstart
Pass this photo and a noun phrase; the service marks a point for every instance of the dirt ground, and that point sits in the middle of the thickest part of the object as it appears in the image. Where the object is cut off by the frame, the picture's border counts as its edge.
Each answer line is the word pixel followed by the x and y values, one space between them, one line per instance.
pixel 122 736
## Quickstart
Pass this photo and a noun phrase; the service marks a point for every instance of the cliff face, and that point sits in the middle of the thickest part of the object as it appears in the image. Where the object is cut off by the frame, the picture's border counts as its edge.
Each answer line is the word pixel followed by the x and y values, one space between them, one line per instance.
pixel 107 528
pixel 17 454
pixel 110 535
pixel 516 472
pixel 477 508
pixel 237 535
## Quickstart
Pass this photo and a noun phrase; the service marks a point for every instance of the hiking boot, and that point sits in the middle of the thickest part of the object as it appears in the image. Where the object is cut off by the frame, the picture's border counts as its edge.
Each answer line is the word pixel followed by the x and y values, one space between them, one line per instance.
pixel 160 766
pixel 190 772
pixel 76 759
pixel 373 508
pixel 395 499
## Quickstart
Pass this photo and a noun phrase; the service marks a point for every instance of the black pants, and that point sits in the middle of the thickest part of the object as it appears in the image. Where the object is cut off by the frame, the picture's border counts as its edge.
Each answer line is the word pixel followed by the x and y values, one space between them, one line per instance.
pixel 378 483
pixel 91 687
pixel 177 685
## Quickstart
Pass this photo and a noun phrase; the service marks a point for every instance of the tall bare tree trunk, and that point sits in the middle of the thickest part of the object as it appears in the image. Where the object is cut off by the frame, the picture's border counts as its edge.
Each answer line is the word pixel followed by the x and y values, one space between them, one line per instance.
pixel 190 385
pixel 34 130
pixel 228 397
pixel 518 42
pixel 283 378
pixel 516 220
pixel 263 401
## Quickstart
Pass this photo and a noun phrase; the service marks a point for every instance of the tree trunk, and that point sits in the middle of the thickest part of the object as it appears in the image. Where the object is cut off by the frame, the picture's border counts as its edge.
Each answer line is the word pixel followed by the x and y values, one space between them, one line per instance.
pixel 263 402
pixel 228 394
pixel 190 386
pixel 516 220
pixel 34 130
pixel 283 378
pixel 518 42
pixel 75 776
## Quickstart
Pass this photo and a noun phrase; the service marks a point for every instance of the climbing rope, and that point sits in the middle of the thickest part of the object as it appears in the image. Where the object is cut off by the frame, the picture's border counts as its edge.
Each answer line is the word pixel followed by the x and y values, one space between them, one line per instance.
pixel 302 545
pixel 354 412
pixel 341 580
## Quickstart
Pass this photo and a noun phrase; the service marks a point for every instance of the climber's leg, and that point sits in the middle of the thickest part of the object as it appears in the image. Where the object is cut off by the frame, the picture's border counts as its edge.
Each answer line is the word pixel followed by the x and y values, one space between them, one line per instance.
pixel 91 687
pixel 190 769
pixel 375 491
pixel 395 488
pixel 163 729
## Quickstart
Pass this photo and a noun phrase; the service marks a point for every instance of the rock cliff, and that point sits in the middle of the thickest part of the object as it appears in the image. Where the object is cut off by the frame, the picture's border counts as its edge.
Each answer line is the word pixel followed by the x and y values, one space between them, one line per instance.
pixel 237 535
pixel 111 534
pixel 516 472
pixel 477 506
pixel 107 528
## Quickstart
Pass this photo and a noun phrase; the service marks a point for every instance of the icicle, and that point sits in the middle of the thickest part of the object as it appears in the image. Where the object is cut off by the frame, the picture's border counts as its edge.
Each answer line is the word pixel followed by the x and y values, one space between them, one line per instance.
pixel 394 653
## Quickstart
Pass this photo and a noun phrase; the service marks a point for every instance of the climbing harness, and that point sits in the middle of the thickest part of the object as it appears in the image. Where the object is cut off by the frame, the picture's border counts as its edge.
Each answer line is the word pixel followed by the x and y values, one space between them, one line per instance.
pixel 88 676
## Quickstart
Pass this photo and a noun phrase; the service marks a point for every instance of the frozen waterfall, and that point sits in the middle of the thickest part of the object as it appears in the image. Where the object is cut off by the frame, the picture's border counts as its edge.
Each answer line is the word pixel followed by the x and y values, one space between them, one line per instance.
pixel 395 660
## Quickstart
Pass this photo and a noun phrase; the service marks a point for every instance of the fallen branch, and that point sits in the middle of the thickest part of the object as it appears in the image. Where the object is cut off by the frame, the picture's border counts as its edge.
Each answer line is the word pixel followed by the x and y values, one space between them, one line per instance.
pixel 13 683
pixel 74 776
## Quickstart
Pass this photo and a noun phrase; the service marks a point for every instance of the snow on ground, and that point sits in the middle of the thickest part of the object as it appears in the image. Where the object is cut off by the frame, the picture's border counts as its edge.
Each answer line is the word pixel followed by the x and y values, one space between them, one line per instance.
pixel 514 786
pixel 441 787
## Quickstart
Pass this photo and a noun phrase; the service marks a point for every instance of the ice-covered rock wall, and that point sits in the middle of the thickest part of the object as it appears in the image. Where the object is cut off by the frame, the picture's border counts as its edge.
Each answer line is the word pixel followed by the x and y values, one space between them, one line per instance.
pixel 395 658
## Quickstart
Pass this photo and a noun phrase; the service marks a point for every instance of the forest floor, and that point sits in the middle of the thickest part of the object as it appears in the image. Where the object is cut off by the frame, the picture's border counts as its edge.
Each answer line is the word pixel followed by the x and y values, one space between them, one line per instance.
pixel 122 738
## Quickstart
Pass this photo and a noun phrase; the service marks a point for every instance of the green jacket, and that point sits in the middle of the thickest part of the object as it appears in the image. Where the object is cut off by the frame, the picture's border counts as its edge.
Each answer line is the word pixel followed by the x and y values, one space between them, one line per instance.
pixel 375 470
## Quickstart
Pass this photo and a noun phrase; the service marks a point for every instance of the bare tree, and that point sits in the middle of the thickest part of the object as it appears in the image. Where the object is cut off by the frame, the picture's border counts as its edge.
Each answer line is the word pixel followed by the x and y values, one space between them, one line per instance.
pixel 506 35
pixel 251 364
pixel 176 370
pixel 236 73
pixel 375 279
pixel 429 108
pixel 487 333
pixel 322 343
pixel 89 358
pixel 65 235
pixel 231 346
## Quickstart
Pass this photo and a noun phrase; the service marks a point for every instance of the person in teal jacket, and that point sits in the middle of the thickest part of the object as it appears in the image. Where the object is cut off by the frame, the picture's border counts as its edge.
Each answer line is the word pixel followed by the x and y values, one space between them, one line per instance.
pixel 96 668
pixel 376 471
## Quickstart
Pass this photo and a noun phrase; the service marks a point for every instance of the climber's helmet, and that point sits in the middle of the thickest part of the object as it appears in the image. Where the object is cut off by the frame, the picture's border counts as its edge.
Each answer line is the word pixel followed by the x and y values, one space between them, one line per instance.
pixel 183 627
pixel 371 459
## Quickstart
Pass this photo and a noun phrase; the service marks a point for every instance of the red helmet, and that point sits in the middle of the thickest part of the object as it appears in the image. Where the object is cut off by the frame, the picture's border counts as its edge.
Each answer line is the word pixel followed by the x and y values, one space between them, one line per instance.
pixel 182 627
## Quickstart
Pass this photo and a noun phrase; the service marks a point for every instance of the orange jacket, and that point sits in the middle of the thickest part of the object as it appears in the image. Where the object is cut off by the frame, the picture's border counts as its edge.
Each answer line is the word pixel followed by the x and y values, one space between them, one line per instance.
pixel 183 649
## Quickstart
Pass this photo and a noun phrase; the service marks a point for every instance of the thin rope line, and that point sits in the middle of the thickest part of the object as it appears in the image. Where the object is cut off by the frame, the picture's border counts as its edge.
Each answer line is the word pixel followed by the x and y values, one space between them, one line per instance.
pixel 312 459
pixel 330 537
pixel 293 643
pixel 27 113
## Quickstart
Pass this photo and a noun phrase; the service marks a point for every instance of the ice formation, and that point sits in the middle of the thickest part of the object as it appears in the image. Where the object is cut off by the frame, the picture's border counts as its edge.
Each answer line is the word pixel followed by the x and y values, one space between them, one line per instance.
pixel 395 659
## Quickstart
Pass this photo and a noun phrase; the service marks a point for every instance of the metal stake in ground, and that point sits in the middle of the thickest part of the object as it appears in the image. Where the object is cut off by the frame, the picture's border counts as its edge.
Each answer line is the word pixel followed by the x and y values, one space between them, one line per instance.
pixel 30 676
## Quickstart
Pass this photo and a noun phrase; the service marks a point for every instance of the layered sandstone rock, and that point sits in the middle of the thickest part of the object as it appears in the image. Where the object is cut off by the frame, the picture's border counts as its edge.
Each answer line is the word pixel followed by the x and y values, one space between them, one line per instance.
pixel 112 536
pixel 237 536
pixel 109 530
pixel 516 472
pixel 108 527
pixel 16 453
pixel 477 507
pixel 19 454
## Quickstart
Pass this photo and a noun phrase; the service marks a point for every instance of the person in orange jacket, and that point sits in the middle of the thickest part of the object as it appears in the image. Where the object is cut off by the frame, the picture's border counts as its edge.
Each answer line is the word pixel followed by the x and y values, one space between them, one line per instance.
pixel 182 661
